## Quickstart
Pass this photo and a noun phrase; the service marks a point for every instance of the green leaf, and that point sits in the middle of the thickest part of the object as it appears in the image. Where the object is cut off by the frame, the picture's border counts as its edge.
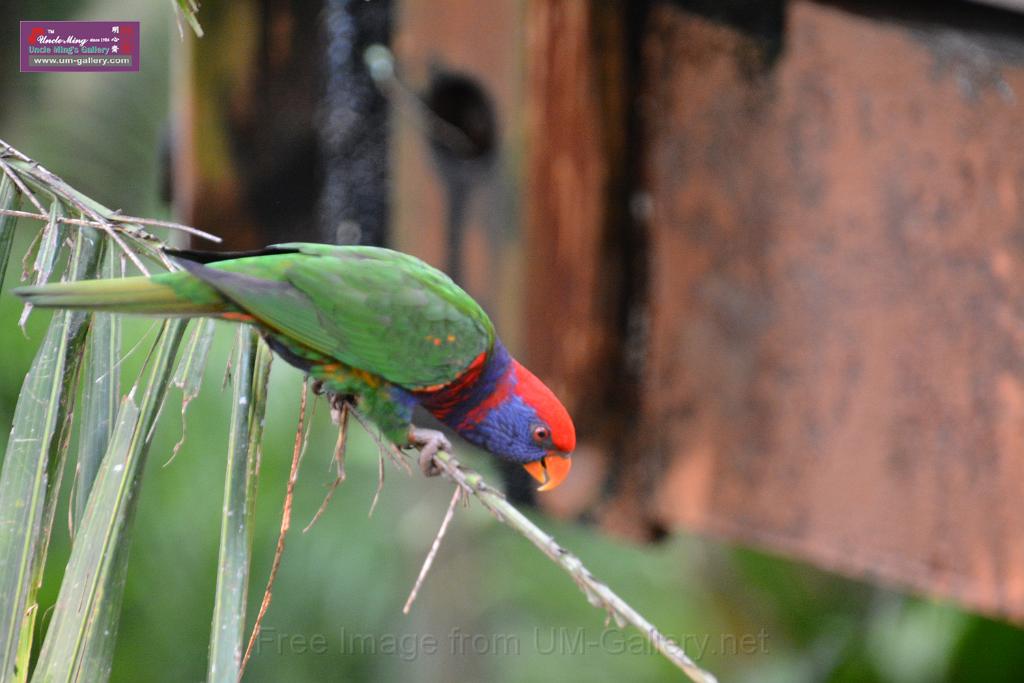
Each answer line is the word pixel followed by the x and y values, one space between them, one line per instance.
pixel 189 375
pixel 101 391
pixel 80 642
pixel 49 244
pixel 252 370
pixel 30 479
pixel 9 197
pixel 98 555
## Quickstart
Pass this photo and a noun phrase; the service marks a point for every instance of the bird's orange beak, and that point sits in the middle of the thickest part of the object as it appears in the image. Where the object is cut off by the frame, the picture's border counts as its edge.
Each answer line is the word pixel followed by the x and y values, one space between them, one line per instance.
pixel 549 470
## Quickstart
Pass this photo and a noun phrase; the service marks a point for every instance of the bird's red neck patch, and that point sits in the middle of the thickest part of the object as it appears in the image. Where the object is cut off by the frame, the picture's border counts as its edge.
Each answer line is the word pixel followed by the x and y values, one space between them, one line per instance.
pixel 491 384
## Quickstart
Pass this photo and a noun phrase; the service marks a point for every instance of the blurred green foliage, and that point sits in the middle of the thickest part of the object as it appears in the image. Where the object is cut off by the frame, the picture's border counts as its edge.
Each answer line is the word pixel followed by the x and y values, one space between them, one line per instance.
pixel 492 608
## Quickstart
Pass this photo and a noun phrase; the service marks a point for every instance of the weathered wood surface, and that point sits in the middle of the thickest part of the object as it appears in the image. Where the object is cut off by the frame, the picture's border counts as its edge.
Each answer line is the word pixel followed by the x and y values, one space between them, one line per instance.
pixel 577 224
pixel 836 357
pixel 778 282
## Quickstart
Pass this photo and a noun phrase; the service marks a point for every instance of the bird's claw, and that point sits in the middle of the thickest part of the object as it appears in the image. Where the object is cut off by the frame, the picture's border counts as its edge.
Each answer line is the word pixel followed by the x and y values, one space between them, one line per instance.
pixel 427 464
pixel 429 442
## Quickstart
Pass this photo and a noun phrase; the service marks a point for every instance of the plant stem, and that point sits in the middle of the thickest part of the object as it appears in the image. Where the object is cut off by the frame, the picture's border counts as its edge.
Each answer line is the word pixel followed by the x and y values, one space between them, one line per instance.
pixel 596 591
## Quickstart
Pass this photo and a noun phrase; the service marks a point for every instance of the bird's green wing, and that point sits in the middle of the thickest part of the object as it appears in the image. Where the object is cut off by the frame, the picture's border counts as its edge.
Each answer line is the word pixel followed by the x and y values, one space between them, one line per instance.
pixel 375 309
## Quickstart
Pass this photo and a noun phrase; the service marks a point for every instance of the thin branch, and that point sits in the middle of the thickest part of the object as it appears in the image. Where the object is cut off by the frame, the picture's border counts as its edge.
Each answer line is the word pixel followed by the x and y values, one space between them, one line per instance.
pixel 119 217
pixel 429 561
pixel 380 484
pixel 38 175
pixel 339 463
pixel 341 446
pixel 286 522
pixel 24 190
pixel 159 253
pixel 116 218
pixel 596 592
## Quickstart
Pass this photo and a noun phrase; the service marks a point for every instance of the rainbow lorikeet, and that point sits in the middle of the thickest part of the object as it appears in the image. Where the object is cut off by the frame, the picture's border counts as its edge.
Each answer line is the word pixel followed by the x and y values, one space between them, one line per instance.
pixel 368 322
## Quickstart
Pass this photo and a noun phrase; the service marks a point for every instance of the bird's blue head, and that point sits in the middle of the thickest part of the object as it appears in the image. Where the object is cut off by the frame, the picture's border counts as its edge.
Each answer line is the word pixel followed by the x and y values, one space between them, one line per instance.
pixel 518 418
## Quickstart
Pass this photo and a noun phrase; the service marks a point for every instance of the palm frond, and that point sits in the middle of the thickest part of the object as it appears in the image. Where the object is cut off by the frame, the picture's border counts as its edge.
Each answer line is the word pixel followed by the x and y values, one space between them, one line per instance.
pixel 8 202
pixel 30 480
pixel 46 255
pixel 189 375
pixel 252 371
pixel 80 642
pixel 101 392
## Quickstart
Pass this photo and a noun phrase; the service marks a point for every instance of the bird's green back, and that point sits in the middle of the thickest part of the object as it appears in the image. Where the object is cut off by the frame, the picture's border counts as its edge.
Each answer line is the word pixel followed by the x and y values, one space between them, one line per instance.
pixel 375 309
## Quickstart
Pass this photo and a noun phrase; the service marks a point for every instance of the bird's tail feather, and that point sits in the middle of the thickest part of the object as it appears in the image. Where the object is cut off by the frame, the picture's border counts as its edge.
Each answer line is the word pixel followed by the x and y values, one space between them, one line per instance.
pixel 169 294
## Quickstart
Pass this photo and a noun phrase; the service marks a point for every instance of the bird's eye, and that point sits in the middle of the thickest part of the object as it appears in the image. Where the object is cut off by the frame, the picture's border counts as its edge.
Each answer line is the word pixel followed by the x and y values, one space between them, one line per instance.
pixel 541 434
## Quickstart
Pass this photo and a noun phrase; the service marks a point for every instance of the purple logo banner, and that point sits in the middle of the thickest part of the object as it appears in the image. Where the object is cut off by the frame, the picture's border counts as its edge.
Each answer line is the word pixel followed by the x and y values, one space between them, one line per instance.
pixel 79 46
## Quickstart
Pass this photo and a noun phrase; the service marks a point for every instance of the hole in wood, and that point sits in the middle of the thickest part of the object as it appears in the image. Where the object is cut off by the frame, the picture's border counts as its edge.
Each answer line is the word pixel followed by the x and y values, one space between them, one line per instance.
pixel 466 128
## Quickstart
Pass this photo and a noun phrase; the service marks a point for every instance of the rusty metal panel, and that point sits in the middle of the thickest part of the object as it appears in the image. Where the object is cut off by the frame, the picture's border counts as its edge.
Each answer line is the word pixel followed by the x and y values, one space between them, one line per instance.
pixel 835 365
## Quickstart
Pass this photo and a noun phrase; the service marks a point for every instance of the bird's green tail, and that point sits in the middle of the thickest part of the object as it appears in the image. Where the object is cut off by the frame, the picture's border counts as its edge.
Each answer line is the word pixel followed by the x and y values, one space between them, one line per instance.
pixel 167 294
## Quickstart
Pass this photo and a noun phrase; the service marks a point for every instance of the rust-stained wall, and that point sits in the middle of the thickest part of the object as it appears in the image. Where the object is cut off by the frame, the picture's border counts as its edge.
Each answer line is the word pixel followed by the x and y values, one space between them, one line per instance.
pixel 576 223
pixel 836 359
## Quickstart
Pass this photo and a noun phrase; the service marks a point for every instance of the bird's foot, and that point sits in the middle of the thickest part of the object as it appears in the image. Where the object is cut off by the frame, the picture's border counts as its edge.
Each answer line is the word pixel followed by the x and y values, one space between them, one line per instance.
pixel 429 442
